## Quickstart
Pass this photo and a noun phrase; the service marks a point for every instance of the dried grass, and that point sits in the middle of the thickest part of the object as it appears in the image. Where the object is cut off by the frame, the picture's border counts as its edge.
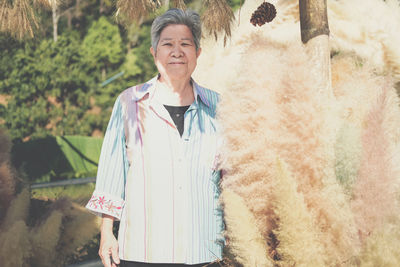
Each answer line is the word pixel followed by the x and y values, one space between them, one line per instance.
pixel 217 18
pixel 376 189
pixel 18 210
pixel 79 226
pixel 42 3
pixel 7 176
pixel 348 156
pixel 44 239
pixel 15 247
pixel 374 37
pixel 298 237
pixel 5 147
pixel 382 247
pixel 7 187
pixel 61 226
pixel 18 19
pixel 179 4
pixel 320 139
pixel 130 11
pixel 276 111
pixel 245 241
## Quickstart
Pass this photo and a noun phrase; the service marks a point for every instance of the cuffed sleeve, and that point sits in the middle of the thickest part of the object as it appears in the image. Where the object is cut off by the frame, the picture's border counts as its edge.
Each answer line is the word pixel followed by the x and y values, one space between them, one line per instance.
pixel 108 197
pixel 101 203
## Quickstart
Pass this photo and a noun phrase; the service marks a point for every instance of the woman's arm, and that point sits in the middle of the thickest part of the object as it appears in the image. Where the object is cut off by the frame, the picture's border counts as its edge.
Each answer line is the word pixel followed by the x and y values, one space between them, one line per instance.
pixel 108 196
pixel 108 250
pixel 107 200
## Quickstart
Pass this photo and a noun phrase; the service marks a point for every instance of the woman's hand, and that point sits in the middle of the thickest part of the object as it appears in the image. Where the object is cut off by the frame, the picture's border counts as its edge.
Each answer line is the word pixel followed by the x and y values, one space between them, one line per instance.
pixel 108 250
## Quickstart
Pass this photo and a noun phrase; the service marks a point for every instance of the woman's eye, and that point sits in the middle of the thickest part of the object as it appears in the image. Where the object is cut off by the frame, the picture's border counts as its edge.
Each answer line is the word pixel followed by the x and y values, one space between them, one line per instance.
pixel 185 44
pixel 167 44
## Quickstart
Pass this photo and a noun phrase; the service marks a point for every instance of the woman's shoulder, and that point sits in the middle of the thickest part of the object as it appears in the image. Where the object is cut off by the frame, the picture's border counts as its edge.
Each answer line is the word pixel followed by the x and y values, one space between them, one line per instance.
pixel 208 96
pixel 128 93
pixel 137 92
pixel 134 93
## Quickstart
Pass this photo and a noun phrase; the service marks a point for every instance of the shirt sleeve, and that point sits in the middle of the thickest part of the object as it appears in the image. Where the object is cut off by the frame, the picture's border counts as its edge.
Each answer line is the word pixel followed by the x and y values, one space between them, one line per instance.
pixel 108 196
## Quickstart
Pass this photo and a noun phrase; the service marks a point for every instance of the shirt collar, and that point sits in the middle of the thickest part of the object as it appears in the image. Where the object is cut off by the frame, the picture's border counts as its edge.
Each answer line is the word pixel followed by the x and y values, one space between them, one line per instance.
pixel 148 88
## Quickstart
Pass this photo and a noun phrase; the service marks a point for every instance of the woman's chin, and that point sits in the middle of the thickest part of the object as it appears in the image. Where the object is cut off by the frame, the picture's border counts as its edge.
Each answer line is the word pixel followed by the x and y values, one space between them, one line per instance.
pixel 178 75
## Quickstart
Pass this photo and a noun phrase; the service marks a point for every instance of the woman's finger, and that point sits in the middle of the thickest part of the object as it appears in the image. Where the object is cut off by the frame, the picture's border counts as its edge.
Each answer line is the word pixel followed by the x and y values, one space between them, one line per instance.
pixel 105 258
pixel 114 254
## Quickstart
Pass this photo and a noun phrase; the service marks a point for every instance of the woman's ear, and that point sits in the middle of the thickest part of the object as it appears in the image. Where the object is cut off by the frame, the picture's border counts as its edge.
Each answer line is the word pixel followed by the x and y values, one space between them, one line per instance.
pixel 198 52
pixel 152 52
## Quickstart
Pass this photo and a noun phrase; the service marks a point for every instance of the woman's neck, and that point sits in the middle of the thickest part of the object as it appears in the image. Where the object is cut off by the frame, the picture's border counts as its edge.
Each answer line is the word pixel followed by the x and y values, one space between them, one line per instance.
pixel 175 93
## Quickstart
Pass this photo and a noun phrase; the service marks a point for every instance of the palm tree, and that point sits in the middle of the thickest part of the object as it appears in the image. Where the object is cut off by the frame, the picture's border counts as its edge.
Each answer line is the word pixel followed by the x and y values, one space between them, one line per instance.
pixel 218 17
pixel 315 35
pixel 19 19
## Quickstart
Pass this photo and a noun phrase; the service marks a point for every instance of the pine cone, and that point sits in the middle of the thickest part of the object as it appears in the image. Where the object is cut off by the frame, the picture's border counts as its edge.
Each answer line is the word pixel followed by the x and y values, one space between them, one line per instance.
pixel 266 12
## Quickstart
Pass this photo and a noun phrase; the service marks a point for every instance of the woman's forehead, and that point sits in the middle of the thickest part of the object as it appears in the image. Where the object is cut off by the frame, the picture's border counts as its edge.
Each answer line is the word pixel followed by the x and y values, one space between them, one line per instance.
pixel 176 31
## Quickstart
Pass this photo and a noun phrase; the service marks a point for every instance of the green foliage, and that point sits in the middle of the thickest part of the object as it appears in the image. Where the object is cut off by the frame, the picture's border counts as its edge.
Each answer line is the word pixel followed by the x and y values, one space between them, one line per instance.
pixel 60 157
pixel 102 46
pixel 235 4
pixel 144 59
pixel 78 193
pixel 138 68
pixel 55 88
pixel 49 90
pixel 8 46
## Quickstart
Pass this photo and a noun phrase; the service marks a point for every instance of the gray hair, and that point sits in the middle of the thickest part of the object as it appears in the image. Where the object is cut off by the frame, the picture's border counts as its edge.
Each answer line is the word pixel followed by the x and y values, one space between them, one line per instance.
pixel 189 18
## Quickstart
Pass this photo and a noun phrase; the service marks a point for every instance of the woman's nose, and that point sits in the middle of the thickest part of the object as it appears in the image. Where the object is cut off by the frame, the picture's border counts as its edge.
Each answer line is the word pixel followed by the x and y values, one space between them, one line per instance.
pixel 176 51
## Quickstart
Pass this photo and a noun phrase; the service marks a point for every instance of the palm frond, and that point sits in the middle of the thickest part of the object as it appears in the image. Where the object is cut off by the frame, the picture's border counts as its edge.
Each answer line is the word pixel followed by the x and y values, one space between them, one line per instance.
pixel 18 19
pixel 42 3
pixel 129 11
pixel 218 17
pixel 179 4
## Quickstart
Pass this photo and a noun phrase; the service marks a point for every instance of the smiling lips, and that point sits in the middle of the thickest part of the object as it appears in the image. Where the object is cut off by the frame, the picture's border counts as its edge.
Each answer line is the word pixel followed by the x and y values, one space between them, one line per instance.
pixel 177 63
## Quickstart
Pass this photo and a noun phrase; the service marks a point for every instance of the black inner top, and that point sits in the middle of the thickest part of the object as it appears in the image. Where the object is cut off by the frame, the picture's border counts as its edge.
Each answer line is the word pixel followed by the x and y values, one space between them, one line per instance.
pixel 177 114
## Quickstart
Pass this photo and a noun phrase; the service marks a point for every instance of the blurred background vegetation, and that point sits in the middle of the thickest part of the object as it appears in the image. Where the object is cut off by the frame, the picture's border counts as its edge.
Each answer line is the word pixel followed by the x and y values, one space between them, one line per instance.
pixel 55 85
pixel 61 69
pixel 64 80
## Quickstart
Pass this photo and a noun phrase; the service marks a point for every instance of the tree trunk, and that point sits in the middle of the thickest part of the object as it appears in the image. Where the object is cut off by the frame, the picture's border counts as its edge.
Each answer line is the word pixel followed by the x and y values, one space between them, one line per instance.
pixel 102 8
pixel 69 19
pixel 54 10
pixel 166 4
pixel 78 8
pixel 313 19
pixel 315 35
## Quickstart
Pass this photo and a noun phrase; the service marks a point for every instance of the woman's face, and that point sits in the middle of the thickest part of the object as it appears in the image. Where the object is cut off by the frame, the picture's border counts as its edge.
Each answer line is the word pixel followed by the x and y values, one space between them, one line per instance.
pixel 176 55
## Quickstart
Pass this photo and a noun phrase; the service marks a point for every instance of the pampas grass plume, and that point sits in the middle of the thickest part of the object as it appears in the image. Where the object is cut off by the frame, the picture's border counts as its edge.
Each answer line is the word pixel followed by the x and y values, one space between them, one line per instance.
pixel 5 147
pixel 245 241
pixel 44 240
pixel 15 247
pixel 382 247
pixel 7 178
pixel 347 156
pixel 277 111
pixel 7 184
pixel 298 237
pixel 18 210
pixel 375 191
pixel 79 226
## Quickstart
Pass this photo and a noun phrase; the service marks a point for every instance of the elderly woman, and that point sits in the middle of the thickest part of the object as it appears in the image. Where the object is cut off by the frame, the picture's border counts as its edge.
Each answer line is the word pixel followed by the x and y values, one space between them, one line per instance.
pixel 157 170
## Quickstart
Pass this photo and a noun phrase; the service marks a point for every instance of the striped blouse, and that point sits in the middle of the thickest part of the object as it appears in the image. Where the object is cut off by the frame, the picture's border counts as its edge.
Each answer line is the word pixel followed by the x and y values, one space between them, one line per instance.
pixel 163 188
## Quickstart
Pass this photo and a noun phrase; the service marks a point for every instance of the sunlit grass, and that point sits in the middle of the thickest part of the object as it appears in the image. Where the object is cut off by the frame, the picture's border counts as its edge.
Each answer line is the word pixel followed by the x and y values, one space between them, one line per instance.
pixel 78 193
